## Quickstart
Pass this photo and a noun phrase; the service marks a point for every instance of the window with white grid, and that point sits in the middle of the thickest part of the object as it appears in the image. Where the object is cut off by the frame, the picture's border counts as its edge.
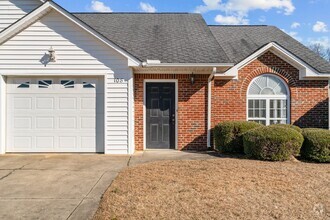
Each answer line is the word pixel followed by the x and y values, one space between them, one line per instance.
pixel 268 100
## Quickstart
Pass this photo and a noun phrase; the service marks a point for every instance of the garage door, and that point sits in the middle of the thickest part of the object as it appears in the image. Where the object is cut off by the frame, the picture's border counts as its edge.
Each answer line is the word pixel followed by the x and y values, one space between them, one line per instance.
pixel 55 114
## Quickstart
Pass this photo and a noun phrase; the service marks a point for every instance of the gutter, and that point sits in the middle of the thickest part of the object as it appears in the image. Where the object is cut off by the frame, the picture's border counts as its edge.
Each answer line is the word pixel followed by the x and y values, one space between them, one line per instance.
pixel 209 106
pixel 159 64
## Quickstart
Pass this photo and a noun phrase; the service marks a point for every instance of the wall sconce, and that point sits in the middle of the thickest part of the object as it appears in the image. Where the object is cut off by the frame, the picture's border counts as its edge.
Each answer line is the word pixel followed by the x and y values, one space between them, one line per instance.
pixel 192 78
pixel 52 55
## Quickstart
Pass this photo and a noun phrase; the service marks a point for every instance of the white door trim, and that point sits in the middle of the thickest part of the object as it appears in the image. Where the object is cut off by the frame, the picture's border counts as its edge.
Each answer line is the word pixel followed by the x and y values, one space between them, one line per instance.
pixel 176 107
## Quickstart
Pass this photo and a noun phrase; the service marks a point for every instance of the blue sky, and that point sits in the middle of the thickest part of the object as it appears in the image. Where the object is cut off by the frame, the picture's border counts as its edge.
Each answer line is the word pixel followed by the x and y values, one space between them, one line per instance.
pixel 306 20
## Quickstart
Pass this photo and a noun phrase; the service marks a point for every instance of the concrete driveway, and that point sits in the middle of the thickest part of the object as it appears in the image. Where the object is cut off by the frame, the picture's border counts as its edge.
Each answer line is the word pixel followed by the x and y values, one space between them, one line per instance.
pixel 65 186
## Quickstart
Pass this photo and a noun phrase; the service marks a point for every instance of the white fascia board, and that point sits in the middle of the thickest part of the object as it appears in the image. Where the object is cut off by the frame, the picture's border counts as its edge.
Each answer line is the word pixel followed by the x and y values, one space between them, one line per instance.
pixel 188 64
pixel 46 7
pixel 305 70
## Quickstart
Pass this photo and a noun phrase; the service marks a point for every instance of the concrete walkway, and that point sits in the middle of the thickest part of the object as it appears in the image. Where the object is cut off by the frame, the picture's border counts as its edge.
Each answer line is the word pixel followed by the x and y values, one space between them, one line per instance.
pixel 65 186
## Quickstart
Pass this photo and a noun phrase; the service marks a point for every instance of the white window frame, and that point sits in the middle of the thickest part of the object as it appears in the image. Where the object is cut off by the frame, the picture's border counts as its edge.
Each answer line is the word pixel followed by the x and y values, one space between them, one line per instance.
pixel 268 98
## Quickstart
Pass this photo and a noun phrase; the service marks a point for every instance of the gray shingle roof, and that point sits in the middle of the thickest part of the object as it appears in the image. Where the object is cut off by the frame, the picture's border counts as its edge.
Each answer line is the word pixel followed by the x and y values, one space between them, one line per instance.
pixel 168 37
pixel 186 38
pixel 241 41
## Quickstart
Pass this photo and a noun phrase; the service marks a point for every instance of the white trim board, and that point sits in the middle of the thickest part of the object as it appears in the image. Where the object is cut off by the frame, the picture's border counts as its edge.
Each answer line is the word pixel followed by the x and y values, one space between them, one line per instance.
pixel 3 114
pixel 44 9
pixel 306 72
pixel 131 112
pixel 176 107
pixel 146 64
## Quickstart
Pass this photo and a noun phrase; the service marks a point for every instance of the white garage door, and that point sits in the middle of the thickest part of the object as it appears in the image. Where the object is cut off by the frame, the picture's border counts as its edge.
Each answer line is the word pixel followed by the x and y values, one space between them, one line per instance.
pixel 55 114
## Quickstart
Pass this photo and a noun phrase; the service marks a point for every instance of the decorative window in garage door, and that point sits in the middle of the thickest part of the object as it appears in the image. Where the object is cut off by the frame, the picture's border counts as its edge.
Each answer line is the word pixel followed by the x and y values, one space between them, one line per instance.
pixel 24 85
pixel 88 85
pixel 67 84
pixel 45 84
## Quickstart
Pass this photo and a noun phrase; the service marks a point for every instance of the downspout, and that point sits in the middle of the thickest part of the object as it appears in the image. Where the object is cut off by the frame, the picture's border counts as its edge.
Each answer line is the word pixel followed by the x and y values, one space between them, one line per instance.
pixel 209 106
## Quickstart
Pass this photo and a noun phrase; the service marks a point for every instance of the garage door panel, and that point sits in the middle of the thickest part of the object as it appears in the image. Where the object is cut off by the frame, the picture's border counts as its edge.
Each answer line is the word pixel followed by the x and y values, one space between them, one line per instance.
pixel 88 122
pixel 45 142
pixel 22 103
pixel 68 122
pixel 22 142
pixel 44 103
pixel 88 142
pixel 68 103
pixel 22 123
pixel 45 123
pixel 67 142
pixel 55 119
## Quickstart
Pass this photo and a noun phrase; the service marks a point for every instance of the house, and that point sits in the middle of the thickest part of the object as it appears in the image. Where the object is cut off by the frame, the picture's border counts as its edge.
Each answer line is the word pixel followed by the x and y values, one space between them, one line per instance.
pixel 120 82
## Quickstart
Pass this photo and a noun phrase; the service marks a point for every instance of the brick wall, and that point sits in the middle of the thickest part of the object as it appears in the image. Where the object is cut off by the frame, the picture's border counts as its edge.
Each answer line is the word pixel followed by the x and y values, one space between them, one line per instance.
pixel 192 110
pixel 309 99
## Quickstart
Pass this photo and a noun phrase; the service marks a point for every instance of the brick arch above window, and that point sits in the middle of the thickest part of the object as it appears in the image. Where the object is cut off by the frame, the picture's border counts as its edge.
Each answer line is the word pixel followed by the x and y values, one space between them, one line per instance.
pixel 291 81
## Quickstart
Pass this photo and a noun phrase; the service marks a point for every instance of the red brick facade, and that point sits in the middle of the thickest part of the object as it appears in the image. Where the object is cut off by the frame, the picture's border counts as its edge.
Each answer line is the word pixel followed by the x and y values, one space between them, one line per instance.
pixel 192 110
pixel 308 99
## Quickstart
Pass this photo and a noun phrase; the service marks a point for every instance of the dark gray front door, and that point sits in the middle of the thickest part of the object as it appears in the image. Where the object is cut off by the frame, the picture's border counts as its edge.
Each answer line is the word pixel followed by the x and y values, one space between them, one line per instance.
pixel 160 115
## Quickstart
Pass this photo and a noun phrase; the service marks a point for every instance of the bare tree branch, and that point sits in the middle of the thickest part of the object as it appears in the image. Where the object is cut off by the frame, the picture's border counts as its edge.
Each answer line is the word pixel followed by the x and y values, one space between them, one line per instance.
pixel 318 49
pixel 321 51
pixel 327 52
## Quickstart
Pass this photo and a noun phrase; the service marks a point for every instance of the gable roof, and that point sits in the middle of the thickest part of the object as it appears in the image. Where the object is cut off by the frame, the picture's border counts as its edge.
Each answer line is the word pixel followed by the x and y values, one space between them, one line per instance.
pixel 168 37
pixel 239 42
pixel 176 38
pixel 46 7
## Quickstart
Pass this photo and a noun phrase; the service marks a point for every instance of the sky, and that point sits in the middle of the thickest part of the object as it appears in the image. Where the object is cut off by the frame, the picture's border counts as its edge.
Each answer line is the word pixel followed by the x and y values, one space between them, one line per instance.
pixel 306 20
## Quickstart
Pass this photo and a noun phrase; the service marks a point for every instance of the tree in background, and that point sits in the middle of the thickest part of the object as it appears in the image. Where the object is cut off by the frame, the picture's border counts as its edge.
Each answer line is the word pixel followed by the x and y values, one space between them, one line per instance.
pixel 321 51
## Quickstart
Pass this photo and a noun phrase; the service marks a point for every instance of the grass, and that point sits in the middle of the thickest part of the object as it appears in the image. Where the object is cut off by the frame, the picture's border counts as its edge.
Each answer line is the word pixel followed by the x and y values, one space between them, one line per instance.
pixel 223 188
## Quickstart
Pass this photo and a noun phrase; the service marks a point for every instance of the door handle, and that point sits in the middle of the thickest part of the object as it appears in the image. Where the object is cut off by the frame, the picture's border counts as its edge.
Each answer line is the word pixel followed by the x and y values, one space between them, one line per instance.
pixel 173 118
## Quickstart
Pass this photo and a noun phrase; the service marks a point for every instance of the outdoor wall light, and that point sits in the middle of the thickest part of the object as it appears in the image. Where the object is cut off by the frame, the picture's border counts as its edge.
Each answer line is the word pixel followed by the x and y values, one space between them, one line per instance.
pixel 192 78
pixel 52 55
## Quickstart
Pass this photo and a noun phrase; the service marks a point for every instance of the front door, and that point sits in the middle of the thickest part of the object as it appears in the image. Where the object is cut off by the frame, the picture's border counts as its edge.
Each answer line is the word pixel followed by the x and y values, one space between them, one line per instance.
pixel 160 115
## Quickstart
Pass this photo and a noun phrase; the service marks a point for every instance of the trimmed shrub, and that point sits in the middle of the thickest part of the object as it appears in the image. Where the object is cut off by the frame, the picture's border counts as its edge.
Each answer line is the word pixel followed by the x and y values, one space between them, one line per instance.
pixel 228 135
pixel 289 126
pixel 273 143
pixel 316 146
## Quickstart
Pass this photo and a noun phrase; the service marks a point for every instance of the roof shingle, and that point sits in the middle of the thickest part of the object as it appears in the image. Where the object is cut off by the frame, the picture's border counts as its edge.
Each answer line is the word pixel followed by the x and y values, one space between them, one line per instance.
pixel 186 38
pixel 168 37
pixel 241 41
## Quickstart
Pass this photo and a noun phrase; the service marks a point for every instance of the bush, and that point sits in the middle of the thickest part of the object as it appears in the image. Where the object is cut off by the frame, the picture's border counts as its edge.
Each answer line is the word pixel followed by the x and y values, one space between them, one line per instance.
pixel 316 146
pixel 228 135
pixel 274 143
pixel 288 126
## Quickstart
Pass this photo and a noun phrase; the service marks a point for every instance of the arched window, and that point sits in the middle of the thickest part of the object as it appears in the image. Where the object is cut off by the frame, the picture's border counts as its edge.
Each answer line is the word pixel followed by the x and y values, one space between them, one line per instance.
pixel 268 100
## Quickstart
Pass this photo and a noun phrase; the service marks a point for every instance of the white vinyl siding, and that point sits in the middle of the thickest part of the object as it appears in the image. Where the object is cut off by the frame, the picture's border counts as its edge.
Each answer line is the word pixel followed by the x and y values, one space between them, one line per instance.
pixel 13 10
pixel 77 53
